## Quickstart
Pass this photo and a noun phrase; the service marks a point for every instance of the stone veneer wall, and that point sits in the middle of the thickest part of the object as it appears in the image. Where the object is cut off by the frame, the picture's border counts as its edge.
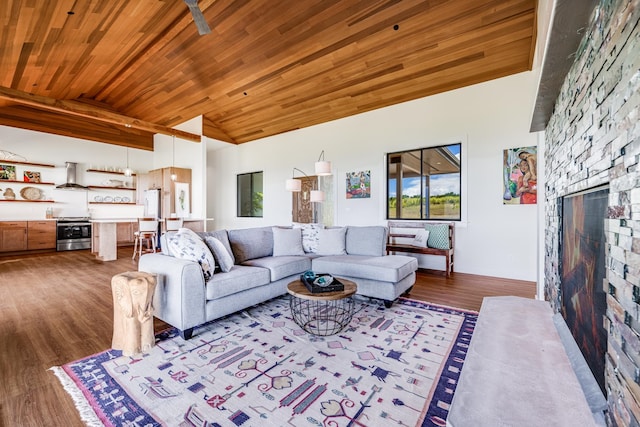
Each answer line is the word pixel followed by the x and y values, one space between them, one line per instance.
pixel 593 138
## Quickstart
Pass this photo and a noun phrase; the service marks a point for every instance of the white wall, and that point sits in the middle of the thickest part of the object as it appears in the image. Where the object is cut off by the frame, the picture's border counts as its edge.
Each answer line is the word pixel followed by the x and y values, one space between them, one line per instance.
pixel 188 154
pixel 493 239
pixel 41 147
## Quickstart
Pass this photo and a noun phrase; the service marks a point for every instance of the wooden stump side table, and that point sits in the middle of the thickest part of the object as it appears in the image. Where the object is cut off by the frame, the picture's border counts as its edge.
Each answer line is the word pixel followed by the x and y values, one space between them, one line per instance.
pixel 133 312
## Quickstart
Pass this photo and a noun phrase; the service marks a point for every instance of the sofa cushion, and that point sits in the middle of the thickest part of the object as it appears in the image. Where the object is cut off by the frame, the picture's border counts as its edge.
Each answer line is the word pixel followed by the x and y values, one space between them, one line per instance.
pixel 371 240
pixel 282 266
pixel 389 268
pixel 220 235
pixel 220 254
pixel 240 278
pixel 251 243
pixel 310 236
pixel 332 241
pixel 287 241
pixel 189 246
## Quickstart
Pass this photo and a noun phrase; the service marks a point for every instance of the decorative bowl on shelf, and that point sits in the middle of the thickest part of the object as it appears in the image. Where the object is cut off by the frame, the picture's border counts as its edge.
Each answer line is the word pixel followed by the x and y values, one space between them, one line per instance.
pixel 31 193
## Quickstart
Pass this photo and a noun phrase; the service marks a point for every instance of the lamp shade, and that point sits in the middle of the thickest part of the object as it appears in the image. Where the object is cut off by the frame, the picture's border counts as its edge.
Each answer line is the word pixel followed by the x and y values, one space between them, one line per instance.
pixel 293 184
pixel 323 168
pixel 317 196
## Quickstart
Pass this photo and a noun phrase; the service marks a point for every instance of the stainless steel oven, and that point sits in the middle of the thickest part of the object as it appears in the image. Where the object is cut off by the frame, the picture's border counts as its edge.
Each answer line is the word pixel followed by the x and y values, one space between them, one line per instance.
pixel 73 234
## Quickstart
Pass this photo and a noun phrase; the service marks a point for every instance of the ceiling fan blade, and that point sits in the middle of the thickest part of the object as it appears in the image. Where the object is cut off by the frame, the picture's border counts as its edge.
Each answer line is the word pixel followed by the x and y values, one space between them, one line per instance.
pixel 198 17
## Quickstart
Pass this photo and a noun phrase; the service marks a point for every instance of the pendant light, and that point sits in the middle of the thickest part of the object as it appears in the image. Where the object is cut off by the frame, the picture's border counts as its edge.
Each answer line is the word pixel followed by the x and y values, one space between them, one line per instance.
pixel 173 159
pixel 128 171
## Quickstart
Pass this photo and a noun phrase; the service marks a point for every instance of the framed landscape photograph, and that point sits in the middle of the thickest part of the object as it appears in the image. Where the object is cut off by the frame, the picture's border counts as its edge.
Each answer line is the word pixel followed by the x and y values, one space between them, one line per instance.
pixel 8 172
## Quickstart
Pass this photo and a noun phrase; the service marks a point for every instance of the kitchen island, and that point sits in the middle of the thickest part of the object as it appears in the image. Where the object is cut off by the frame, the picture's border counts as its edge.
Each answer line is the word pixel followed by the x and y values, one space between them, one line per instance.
pixel 104 240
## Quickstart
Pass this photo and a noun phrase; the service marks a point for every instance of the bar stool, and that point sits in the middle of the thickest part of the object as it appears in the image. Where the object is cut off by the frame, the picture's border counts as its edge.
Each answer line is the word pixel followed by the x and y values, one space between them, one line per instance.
pixel 147 232
pixel 173 224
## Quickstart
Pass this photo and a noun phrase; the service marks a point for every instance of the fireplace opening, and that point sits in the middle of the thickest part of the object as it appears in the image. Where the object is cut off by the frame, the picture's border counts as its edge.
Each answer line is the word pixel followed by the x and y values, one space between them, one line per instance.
pixel 582 274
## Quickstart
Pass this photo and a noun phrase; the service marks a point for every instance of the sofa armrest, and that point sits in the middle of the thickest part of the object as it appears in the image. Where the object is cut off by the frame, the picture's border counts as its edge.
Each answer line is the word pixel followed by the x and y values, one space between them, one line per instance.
pixel 180 294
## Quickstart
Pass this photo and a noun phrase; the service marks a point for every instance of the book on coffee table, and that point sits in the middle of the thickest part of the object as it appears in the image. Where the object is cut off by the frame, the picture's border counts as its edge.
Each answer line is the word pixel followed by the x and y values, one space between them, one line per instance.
pixel 322 283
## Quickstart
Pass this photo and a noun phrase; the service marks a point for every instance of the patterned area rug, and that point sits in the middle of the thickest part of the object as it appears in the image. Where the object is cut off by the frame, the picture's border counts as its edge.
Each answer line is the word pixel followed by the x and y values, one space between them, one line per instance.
pixel 395 366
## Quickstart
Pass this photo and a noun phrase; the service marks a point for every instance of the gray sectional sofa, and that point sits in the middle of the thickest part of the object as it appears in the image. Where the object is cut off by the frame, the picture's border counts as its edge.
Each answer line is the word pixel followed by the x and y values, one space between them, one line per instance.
pixel 262 264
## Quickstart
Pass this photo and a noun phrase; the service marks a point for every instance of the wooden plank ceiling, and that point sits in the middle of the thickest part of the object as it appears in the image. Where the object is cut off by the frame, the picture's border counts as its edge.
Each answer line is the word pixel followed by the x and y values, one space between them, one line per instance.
pixel 267 67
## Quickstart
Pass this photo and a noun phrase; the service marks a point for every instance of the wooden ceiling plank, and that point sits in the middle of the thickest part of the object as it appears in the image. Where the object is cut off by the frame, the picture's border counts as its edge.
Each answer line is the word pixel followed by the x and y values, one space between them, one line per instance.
pixel 65 125
pixel 87 111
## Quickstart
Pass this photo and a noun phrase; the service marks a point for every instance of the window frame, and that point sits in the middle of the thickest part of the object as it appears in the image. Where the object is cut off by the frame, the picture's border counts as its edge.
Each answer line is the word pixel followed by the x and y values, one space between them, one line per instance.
pixel 422 216
pixel 241 194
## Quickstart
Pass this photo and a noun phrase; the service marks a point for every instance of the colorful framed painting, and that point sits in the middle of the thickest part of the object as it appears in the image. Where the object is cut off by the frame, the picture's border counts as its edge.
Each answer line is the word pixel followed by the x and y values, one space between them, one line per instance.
pixel 359 185
pixel 8 172
pixel 30 176
pixel 520 176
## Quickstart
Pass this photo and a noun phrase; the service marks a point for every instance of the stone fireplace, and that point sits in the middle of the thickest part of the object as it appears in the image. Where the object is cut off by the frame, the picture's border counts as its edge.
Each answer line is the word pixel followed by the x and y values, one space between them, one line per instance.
pixel 593 139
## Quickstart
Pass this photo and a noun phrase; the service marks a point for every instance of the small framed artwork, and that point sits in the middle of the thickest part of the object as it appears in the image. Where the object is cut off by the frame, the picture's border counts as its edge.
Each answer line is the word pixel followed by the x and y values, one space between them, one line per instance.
pixel 30 176
pixel 359 185
pixel 8 172
pixel 520 176
pixel 183 204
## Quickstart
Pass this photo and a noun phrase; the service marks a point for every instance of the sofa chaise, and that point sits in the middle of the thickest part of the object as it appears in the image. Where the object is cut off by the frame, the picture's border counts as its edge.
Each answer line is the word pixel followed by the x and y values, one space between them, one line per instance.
pixel 254 265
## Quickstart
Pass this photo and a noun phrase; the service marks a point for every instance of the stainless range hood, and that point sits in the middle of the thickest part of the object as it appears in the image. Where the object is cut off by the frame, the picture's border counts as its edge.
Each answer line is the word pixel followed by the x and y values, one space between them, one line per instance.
pixel 71 179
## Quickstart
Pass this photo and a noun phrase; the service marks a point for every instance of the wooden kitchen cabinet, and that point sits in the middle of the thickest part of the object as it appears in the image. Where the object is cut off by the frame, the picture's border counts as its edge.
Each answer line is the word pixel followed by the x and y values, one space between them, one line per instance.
pixel 41 235
pixel 161 178
pixel 13 236
pixel 124 233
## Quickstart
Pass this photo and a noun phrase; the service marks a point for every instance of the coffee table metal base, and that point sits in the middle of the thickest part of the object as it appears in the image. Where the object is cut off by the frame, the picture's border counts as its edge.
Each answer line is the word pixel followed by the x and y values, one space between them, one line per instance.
pixel 322 317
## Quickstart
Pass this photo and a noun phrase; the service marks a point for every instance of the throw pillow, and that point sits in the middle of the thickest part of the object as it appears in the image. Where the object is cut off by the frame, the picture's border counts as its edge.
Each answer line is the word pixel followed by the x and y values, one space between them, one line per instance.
pixel 421 238
pixel 186 246
pixel 438 235
pixel 332 241
pixel 221 255
pixel 287 241
pixel 190 232
pixel 309 236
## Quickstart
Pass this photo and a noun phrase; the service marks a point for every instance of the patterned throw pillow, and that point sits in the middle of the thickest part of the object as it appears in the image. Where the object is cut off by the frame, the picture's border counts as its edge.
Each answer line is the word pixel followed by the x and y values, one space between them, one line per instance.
pixel 438 235
pixel 185 245
pixel 310 236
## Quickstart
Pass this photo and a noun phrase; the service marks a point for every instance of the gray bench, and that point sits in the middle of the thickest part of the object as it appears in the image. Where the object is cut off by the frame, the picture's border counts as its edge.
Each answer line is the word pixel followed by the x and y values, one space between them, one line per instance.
pixel 517 371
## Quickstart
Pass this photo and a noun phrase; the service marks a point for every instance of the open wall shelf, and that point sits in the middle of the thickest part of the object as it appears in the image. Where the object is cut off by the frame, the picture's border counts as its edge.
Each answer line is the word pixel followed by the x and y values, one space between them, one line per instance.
pixel 101 187
pixel 109 172
pixel 15 162
pixel 25 182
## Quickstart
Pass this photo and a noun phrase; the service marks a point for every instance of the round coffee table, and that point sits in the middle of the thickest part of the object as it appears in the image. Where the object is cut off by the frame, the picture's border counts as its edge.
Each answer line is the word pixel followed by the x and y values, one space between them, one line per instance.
pixel 325 313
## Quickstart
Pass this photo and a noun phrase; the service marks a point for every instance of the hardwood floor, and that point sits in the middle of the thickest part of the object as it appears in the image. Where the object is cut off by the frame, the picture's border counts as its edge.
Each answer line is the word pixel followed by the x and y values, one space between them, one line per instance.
pixel 57 307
